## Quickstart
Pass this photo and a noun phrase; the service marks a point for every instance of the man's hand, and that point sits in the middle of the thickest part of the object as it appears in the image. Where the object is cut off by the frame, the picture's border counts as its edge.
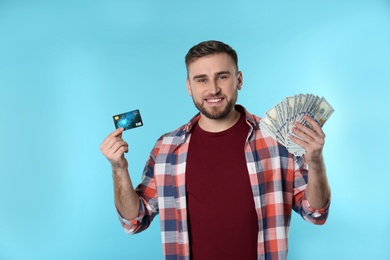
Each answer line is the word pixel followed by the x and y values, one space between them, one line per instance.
pixel 126 199
pixel 113 148
pixel 313 141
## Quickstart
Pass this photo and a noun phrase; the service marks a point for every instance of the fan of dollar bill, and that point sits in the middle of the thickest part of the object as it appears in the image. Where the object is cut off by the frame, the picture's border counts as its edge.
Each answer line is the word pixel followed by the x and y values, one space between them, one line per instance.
pixel 279 120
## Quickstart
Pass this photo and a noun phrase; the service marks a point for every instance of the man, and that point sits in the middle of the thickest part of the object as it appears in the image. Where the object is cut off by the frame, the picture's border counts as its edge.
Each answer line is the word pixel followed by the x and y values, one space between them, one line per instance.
pixel 224 189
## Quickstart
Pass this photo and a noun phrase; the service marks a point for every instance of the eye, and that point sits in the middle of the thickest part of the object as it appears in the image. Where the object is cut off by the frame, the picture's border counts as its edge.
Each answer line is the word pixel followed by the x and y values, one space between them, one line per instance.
pixel 223 77
pixel 201 80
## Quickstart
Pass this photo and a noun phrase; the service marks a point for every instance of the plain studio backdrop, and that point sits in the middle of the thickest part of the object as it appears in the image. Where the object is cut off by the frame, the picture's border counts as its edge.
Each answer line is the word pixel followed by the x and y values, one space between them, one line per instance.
pixel 66 67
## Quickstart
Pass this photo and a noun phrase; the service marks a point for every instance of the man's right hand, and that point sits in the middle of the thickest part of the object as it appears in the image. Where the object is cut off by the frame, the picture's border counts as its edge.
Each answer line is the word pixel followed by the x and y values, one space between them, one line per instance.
pixel 126 199
pixel 113 148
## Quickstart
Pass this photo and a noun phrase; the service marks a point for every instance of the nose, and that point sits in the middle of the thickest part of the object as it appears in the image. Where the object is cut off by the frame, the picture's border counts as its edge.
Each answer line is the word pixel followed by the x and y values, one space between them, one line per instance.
pixel 214 89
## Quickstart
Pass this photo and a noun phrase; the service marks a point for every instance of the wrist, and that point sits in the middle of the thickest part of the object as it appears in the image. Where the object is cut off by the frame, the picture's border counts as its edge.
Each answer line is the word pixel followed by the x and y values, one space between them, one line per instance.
pixel 119 171
pixel 315 163
pixel 316 167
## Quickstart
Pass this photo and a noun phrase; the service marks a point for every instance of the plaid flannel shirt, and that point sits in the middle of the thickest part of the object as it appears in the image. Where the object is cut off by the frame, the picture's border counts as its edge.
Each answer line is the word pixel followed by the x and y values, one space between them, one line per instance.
pixel 278 180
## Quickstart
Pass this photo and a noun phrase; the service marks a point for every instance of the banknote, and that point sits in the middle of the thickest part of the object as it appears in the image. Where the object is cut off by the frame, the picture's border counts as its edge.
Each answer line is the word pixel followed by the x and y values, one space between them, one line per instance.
pixel 279 120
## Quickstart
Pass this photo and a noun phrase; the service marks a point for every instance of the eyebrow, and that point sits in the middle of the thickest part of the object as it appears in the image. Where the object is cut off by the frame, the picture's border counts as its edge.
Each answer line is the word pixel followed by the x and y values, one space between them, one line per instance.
pixel 222 72
pixel 205 76
pixel 199 76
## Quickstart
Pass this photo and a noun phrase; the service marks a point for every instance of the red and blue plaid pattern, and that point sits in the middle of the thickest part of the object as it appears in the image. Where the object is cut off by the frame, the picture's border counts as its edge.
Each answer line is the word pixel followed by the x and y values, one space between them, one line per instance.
pixel 278 182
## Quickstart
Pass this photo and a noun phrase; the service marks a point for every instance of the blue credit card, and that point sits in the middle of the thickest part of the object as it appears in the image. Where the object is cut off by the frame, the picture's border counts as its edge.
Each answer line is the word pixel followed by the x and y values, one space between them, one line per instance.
pixel 128 120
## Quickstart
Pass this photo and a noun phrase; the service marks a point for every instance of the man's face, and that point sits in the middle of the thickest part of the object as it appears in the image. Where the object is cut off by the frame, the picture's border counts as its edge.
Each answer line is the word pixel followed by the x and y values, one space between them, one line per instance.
pixel 213 82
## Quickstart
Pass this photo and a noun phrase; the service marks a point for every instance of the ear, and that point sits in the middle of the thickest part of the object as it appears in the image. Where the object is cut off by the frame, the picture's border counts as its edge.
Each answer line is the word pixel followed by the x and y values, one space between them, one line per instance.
pixel 240 80
pixel 188 87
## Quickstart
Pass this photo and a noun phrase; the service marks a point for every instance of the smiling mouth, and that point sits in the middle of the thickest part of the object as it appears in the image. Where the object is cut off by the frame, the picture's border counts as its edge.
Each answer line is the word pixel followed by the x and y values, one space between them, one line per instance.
pixel 213 100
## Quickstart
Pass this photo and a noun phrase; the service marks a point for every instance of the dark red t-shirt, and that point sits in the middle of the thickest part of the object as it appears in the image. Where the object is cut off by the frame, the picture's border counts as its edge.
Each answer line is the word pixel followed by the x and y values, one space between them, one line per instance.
pixel 221 211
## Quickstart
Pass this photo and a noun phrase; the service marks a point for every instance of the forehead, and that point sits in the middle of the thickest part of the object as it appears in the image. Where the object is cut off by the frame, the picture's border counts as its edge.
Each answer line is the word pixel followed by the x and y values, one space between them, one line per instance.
pixel 211 64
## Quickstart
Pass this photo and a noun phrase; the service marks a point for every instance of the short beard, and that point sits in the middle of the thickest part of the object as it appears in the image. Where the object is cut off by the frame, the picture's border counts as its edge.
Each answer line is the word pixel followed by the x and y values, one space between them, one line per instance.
pixel 215 113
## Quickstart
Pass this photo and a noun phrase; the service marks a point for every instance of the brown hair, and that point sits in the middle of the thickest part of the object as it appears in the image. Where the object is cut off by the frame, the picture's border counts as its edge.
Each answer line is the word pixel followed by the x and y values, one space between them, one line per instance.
pixel 207 48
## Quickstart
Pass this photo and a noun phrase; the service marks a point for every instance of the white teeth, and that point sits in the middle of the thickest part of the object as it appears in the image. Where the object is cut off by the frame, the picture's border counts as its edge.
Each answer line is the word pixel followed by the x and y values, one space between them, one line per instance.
pixel 214 100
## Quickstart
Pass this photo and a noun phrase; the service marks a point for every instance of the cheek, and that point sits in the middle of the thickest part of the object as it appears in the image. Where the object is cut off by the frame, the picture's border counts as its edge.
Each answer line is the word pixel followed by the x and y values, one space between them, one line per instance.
pixel 196 94
pixel 194 90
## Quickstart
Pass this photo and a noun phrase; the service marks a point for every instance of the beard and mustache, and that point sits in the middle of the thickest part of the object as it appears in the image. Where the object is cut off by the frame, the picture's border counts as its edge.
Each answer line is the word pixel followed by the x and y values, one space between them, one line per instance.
pixel 217 113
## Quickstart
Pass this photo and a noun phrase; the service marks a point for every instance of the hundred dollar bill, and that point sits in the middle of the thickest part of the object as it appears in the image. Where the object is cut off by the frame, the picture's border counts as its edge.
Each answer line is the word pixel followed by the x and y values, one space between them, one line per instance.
pixel 324 111
pixel 279 120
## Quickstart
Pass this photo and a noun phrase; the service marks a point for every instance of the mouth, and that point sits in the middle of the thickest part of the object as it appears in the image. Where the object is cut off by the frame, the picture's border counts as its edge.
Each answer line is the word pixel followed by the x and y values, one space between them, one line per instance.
pixel 214 100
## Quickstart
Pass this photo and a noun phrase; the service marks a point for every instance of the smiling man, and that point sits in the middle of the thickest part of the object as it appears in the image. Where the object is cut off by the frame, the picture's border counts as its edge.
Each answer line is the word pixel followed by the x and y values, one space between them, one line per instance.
pixel 213 82
pixel 224 189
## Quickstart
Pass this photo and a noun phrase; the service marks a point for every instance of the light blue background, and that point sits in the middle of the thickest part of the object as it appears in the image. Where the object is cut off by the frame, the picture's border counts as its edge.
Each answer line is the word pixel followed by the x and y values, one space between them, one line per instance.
pixel 67 66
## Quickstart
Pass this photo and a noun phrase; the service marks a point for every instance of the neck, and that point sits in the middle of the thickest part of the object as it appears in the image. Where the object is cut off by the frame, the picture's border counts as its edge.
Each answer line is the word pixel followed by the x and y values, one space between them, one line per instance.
pixel 219 125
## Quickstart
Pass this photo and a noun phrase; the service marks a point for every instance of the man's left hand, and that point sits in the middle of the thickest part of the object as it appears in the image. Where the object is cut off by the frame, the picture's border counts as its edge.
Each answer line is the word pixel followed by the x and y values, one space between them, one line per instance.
pixel 313 141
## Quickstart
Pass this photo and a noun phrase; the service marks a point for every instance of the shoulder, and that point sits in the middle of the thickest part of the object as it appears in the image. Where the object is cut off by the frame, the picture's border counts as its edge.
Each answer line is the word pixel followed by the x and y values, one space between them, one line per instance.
pixel 251 118
pixel 177 136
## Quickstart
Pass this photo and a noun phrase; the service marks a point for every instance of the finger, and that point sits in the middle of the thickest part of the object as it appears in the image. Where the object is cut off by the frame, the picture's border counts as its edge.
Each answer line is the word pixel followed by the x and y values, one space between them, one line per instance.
pixel 316 133
pixel 316 126
pixel 116 132
pixel 312 148
pixel 303 132
pixel 297 140
pixel 116 155
pixel 309 143
pixel 112 135
pixel 309 138
pixel 118 145
pixel 111 145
